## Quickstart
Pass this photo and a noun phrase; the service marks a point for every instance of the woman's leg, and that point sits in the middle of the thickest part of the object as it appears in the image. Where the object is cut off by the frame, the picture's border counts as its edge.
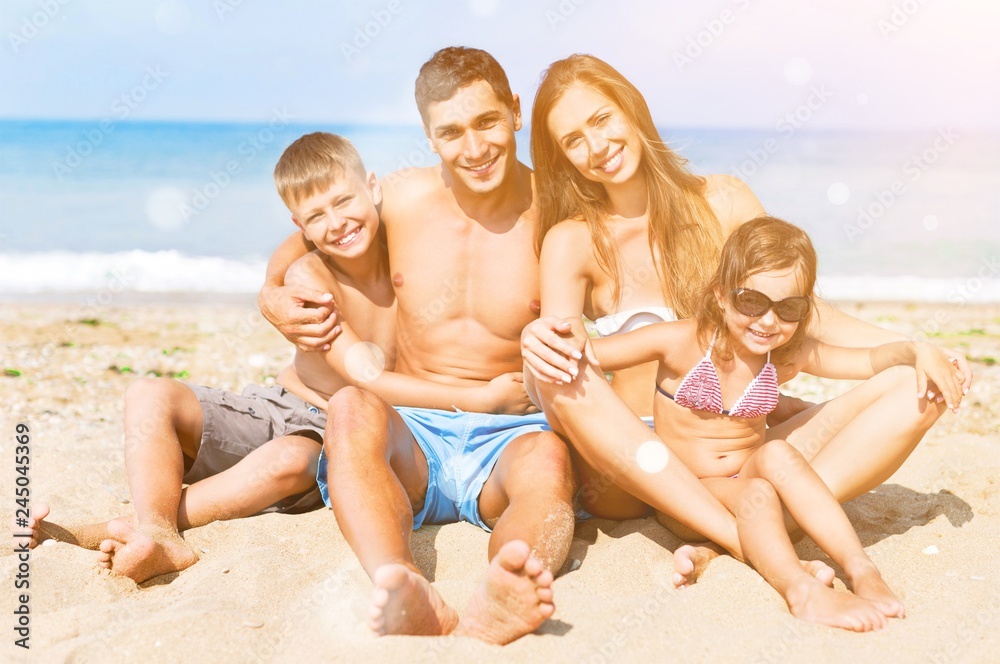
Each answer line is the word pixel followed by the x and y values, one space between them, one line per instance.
pixel 856 441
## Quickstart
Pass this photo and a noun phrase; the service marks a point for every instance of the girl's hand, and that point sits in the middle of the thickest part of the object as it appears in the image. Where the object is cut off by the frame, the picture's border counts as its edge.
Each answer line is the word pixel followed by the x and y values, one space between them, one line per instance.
pixel 937 375
pixel 962 366
pixel 550 351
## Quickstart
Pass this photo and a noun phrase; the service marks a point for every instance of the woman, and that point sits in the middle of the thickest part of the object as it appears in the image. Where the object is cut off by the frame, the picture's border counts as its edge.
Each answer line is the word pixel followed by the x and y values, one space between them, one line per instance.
pixel 627 236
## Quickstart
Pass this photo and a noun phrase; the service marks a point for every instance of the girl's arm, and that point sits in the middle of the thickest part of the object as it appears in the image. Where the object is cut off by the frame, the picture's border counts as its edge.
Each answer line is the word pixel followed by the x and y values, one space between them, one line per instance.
pixel 932 367
pixel 646 344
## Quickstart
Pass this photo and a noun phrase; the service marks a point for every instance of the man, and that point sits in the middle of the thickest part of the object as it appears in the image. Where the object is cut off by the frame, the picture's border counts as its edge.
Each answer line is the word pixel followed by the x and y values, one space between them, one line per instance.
pixel 466 280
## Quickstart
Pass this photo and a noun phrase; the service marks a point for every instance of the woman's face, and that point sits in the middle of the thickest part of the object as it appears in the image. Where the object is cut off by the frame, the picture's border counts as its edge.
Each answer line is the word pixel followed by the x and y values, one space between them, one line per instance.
pixel 595 135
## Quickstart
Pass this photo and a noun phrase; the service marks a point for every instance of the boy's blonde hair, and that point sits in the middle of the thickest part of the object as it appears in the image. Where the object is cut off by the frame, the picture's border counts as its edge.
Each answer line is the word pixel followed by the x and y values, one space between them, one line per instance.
pixel 759 245
pixel 314 162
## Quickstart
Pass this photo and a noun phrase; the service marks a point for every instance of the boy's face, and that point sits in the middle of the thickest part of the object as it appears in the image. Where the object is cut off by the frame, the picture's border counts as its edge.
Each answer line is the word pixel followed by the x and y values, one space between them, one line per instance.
pixel 342 219
pixel 473 132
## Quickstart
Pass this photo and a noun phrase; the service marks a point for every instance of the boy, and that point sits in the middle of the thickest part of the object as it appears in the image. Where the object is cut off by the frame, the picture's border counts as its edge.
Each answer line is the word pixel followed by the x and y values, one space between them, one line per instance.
pixel 243 454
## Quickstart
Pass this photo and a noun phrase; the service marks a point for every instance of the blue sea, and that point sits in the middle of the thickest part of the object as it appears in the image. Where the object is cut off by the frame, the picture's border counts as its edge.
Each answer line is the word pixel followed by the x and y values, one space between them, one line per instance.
pixel 158 207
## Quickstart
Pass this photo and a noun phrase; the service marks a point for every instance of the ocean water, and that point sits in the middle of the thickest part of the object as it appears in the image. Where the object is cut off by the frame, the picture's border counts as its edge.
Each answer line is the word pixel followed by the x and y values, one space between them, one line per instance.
pixel 191 208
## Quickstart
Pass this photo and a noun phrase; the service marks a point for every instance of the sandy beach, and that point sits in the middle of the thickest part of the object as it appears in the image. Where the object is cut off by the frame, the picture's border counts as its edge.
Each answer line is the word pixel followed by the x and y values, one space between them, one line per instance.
pixel 288 588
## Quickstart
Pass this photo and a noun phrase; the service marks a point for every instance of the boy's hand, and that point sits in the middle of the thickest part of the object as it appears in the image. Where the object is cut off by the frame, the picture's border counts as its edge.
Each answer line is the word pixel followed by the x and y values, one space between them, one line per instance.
pixel 305 316
pixel 550 350
pixel 937 376
pixel 506 395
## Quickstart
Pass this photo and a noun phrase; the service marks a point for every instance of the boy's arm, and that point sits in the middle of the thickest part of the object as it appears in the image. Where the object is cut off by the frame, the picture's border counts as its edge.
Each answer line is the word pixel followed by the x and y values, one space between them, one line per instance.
pixel 932 367
pixel 362 364
pixel 284 305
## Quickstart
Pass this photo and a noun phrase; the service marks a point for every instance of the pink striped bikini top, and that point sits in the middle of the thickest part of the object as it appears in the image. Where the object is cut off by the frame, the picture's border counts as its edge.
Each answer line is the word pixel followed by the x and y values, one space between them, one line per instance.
pixel 700 390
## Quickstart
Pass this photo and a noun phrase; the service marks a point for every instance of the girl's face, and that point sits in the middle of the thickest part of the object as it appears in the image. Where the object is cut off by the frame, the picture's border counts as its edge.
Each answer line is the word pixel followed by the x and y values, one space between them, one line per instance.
pixel 763 333
pixel 595 135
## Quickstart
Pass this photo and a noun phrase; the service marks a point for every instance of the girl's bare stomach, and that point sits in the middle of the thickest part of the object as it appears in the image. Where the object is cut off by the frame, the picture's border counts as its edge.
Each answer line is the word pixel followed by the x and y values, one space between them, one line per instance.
pixel 709 444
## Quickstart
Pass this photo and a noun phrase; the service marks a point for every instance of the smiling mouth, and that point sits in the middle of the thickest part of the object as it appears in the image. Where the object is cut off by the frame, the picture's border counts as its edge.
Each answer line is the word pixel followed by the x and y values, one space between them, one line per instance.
pixel 482 168
pixel 762 335
pixel 347 239
pixel 610 164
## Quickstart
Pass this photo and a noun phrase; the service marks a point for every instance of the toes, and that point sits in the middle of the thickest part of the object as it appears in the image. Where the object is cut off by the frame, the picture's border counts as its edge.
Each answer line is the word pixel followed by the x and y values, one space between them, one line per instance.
pixel 547 610
pixel 40 511
pixel 513 556
pixel 544 580
pixel 533 567
pixel 109 546
pixel 544 595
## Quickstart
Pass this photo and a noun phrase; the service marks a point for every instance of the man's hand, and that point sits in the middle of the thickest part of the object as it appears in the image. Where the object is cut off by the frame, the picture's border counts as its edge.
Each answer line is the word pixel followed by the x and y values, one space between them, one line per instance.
pixel 305 316
pixel 506 395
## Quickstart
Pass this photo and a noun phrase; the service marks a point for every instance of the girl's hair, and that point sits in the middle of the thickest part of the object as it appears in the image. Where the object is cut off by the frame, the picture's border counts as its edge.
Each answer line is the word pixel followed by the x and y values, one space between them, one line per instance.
pixel 759 245
pixel 684 234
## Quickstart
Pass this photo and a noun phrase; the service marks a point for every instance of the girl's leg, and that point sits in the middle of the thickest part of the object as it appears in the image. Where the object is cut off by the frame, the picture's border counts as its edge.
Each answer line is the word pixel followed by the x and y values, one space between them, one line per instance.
pixel 768 548
pixel 859 439
pixel 817 512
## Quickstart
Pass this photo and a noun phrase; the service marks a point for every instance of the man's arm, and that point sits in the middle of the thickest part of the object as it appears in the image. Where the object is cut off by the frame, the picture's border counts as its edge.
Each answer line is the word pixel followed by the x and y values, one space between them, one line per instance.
pixel 285 306
pixel 362 364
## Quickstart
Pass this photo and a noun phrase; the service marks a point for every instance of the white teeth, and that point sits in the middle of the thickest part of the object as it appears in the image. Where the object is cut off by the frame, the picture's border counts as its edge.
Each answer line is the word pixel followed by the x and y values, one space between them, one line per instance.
pixel 347 238
pixel 484 167
pixel 613 163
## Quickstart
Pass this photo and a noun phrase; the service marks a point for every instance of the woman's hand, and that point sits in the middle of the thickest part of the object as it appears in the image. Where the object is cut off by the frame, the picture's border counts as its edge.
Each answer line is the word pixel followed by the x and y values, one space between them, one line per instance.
pixel 938 375
pixel 550 350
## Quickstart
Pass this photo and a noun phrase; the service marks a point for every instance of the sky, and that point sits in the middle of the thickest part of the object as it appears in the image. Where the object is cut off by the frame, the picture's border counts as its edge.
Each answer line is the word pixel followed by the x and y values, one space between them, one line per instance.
pixel 852 64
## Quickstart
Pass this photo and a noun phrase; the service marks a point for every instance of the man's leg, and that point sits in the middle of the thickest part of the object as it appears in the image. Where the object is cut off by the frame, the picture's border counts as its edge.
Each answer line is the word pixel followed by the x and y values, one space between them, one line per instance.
pixel 377 479
pixel 528 500
pixel 856 441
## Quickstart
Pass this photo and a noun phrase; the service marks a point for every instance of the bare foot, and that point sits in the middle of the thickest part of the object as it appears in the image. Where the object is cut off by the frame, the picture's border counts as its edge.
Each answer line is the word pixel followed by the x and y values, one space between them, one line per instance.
pixel 691 560
pixel 35 528
pixel 404 602
pixel 142 554
pixel 868 583
pixel 819 571
pixel 813 602
pixel 513 600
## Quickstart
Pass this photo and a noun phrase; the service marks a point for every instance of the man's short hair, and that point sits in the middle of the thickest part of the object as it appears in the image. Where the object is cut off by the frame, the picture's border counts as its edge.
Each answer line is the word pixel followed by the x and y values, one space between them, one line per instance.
pixel 314 162
pixel 456 67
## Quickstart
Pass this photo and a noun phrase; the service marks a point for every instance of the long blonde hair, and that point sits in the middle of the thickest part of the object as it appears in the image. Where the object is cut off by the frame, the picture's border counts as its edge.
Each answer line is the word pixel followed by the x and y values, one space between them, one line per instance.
pixel 684 233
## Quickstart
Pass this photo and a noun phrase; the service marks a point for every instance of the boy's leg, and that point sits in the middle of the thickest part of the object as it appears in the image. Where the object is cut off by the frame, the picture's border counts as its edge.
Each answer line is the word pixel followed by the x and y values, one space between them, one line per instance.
pixel 377 479
pixel 163 423
pixel 280 468
pixel 817 512
pixel 859 439
pixel 768 548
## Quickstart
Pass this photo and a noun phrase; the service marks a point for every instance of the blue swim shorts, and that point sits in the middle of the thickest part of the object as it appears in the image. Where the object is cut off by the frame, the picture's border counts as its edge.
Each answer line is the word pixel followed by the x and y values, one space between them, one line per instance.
pixel 461 449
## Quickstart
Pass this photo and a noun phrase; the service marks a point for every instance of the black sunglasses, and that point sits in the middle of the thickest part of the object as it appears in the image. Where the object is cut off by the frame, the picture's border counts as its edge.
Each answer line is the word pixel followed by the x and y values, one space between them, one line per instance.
pixel 754 303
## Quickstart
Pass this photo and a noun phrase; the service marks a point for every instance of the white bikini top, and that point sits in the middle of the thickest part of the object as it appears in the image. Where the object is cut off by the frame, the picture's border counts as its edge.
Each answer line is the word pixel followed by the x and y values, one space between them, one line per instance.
pixel 626 321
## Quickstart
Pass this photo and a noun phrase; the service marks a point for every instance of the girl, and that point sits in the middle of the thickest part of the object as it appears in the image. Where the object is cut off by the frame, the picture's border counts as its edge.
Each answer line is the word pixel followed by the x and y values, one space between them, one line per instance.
pixel 717 379
pixel 629 238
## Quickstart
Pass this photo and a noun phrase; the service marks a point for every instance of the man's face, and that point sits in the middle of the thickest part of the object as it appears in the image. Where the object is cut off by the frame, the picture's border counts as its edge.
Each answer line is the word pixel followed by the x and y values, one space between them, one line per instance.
pixel 473 132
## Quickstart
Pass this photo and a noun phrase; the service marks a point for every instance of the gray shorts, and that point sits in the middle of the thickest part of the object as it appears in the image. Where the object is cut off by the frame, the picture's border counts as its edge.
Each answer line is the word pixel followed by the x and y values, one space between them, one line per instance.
pixel 235 425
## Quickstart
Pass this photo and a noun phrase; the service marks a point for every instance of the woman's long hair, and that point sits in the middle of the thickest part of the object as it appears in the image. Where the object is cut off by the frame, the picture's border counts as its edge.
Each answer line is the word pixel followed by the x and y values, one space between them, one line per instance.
pixel 684 234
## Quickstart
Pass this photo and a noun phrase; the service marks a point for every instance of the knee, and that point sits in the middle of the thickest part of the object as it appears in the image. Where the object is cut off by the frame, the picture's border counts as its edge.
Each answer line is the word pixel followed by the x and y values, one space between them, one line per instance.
pixel 758 494
pixel 295 462
pixel 548 458
pixel 352 414
pixel 776 459
pixel 151 390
